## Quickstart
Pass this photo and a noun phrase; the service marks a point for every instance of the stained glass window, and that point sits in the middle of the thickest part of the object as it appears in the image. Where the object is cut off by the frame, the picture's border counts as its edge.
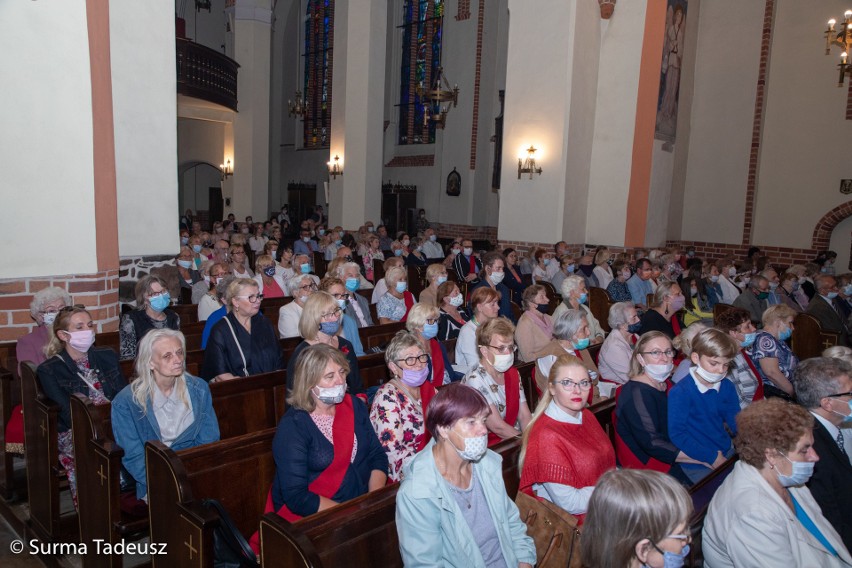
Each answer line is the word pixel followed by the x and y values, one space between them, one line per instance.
pixel 421 56
pixel 319 41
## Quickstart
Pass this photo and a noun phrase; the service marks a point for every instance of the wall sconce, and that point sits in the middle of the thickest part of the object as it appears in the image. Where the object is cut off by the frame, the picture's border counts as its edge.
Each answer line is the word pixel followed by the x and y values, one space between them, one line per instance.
pixel 334 168
pixel 299 107
pixel 227 170
pixel 527 166
pixel 843 39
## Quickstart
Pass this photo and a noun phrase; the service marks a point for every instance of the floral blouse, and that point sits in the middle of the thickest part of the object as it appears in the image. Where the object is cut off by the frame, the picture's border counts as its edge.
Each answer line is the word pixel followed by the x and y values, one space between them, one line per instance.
pixel 398 422
pixel 391 307
pixel 495 394
pixel 766 346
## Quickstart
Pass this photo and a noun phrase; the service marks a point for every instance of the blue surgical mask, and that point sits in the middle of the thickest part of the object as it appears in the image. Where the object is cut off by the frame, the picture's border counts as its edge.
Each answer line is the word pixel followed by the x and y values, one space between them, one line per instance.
pixel 441 280
pixel 673 559
pixel 430 330
pixel 401 287
pixel 847 290
pixel 329 327
pixel 785 334
pixel 161 302
pixel 196 248
pixel 846 417
pixel 831 295
pixel 341 303
pixel 352 284
pixel 571 268
pixel 305 268
pixel 184 240
pixel 397 252
pixel 583 297
pixel 749 340
pixel 338 241
pixel 269 271
pixel 581 344
pixel 635 327
pixel 802 472
pixel 185 264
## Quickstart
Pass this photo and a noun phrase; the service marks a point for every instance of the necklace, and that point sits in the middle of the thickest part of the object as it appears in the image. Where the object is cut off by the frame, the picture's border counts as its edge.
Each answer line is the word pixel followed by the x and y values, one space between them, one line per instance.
pixel 466 495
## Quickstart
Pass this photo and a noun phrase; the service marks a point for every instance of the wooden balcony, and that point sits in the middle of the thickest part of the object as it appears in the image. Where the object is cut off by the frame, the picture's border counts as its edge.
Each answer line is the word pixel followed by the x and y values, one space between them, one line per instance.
pixel 206 74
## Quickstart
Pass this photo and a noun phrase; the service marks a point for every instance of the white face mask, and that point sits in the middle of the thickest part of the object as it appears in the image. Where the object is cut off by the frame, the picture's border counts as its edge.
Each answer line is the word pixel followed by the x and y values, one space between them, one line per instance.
pixel 331 395
pixel 503 362
pixel 468 251
pixel 658 372
pixel 474 448
pixel 48 318
pixel 708 376
pixel 456 300
pixel 497 277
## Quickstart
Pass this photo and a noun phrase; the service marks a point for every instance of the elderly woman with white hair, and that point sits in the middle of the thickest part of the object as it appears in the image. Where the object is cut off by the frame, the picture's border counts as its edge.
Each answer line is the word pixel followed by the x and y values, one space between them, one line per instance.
pixel 43 309
pixel 575 296
pixel 570 335
pixel 163 403
pixel 436 275
pixel 358 307
pixel 300 287
pixel 617 349
pixel 422 322
pixel 397 301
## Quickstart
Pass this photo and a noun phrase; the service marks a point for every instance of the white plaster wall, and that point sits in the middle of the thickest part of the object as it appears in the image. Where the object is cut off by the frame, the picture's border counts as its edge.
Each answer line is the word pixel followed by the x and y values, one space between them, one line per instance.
pixel 615 123
pixel 46 141
pixel 805 149
pixel 725 83
pixel 200 141
pixel 142 38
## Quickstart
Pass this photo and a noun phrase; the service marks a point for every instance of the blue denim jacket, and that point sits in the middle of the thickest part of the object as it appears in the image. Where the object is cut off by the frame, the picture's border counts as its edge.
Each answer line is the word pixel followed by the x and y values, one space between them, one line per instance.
pixel 131 428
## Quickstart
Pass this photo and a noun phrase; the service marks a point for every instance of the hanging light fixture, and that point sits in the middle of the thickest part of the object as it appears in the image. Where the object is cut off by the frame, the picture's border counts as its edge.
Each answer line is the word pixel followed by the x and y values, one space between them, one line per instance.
pixel 299 107
pixel 841 37
pixel 527 166
pixel 227 170
pixel 439 94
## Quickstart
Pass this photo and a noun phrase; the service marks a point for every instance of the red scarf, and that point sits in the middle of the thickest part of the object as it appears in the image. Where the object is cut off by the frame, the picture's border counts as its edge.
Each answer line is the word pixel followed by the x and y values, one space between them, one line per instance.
pixel 437 363
pixel 427 391
pixel 512 385
pixel 758 392
pixel 472 265
pixel 329 481
pixel 408 298
pixel 675 325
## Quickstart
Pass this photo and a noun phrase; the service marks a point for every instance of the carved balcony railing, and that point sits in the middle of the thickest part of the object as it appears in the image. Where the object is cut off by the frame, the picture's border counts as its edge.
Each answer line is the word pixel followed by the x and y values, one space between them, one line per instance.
pixel 206 74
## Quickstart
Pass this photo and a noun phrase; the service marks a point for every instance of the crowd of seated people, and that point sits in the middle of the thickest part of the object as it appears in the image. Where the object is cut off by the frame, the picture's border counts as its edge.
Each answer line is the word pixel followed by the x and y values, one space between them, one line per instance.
pixel 689 388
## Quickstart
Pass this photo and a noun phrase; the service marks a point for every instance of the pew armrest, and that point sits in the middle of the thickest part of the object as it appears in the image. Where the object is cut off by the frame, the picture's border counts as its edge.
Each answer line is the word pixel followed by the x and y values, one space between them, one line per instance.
pixel 282 546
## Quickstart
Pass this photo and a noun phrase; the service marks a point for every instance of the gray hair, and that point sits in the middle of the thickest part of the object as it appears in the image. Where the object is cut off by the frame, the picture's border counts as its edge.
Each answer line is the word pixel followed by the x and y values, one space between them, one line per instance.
pixel 754 283
pixel 568 323
pixel 401 341
pixel 839 352
pixel 343 267
pixel 570 284
pixel 618 314
pixel 47 295
pixel 295 282
pixel 222 286
pixel 818 377
pixel 145 385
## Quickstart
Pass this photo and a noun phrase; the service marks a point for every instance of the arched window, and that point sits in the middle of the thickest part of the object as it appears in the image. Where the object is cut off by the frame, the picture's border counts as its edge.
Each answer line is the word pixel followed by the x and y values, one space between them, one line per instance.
pixel 422 27
pixel 319 41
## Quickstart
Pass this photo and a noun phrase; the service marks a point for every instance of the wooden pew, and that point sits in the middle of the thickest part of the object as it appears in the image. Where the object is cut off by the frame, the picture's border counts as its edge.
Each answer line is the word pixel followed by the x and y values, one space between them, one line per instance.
pixel 809 339
pixel 45 476
pixel 10 397
pixel 242 406
pixel 720 309
pixel 599 305
pixel 379 335
pixel 361 532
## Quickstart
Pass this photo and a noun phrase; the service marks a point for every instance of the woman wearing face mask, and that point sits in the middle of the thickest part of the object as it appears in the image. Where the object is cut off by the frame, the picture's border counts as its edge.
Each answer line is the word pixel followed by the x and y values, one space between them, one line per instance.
pixel 186 268
pixel 641 414
pixel 194 245
pixel 775 360
pixel 512 279
pixel 452 508
pixel 258 240
pixel 320 323
pixel 209 302
pixel 535 326
pixel 74 366
pixel 326 451
pixel 542 261
pixel 575 296
pixel 239 262
pixel 565 450
pixel 498 381
pixel 398 408
pixel 491 275
pixel 415 256
pixel 348 325
pixel 300 288
pixel 269 281
pixel 704 405
pixel 742 371
pixel 617 288
pixel 484 304
pixel 825 260
pixel 422 322
pixel 371 254
pixel 727 274
pixel 764 499
pixel 453 315
pixel 637 518
pixel 570 335
pixel 436 275
pixel 242 343
pixel 698 304
pixel 662 316
pixel 397 301
pixel 617 349
pixel 603 271
pixel 787 290
pixel 152 312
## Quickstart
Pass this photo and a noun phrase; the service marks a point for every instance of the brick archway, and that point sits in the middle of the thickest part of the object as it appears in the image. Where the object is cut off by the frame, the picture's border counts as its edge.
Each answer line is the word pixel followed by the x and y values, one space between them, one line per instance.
pixel 822 232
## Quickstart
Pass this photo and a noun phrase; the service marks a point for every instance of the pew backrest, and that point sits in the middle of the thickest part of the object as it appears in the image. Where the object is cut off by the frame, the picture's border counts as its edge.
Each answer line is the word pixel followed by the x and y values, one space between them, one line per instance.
pixel 599 305
pixel 809 339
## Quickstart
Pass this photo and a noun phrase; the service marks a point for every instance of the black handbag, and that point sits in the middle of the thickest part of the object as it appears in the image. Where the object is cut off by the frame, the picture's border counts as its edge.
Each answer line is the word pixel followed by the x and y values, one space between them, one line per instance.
pixel 230 548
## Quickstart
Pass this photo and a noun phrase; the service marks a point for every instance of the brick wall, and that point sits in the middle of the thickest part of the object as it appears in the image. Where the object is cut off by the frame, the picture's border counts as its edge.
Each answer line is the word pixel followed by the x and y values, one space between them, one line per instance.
pixel 98 291
pixel 779 255
pixel 451 231
pixel 420 161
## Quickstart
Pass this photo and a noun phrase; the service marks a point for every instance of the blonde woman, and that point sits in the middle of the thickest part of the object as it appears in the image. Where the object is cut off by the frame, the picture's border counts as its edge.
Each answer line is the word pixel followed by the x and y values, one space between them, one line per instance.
pixel 603 271
pixel 397 301
pixel 163 403
pixel 269 280
pixel 436 275
pixel 422 322
pixel 565 450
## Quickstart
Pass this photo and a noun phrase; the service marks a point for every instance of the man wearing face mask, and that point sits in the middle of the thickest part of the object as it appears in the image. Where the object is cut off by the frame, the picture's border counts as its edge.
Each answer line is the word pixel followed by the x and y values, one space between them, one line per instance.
pixel 431 247
pixel 492 274
pixel 828 310
pixel 755 299
pixel 466 264
pixel 824 387
pixel 305 245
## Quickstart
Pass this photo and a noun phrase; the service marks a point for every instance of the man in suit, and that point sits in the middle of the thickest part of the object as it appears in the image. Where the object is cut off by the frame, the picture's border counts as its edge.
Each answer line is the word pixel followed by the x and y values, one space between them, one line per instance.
pixel 467 265
pixel 823 386
pixel 755 299
pixel 826 308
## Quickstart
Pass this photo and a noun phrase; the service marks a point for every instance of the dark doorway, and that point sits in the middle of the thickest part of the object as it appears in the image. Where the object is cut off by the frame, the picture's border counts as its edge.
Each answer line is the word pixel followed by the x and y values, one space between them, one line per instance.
pixel 217 204
pixel 302 198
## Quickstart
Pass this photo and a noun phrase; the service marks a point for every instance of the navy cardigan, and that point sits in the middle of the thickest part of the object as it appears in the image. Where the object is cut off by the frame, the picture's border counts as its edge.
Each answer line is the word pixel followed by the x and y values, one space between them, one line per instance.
pixel 261 348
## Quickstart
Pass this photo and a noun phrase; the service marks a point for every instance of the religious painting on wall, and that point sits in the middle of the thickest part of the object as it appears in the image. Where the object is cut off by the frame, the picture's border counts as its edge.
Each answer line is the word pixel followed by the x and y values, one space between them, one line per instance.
pixel 672 60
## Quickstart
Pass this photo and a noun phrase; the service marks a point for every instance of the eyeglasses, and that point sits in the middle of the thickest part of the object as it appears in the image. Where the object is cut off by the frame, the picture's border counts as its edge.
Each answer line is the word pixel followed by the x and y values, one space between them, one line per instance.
pixel 657 353
pixel 839 395
pixel 253 298
pixel 504 349
pixel 432 321
pixel 413 360
pixel 341 296
pixel 332 314
pixel 568 384
pixel 307 287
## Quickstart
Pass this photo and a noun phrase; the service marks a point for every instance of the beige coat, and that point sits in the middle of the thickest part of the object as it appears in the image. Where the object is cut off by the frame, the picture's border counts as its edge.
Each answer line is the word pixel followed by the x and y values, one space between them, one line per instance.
pixel 531 339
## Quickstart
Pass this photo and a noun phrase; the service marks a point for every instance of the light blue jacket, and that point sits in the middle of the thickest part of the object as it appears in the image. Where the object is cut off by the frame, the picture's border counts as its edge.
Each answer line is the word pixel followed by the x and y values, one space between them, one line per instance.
pixel 432 530
pixel 132 429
